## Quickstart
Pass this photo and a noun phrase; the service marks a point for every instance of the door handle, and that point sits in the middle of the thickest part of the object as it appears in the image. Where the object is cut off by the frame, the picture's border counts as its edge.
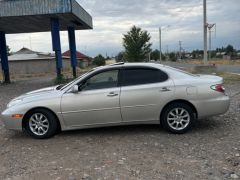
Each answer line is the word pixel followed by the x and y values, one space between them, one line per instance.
pixel 165 89
pixel 112 94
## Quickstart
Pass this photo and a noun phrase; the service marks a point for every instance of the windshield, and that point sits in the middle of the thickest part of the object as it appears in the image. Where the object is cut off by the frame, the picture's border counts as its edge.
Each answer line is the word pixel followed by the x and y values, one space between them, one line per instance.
pixel 62 87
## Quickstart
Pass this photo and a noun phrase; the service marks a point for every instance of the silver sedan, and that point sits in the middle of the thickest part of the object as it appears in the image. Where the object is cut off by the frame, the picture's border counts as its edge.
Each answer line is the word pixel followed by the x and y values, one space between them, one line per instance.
pixel 119 94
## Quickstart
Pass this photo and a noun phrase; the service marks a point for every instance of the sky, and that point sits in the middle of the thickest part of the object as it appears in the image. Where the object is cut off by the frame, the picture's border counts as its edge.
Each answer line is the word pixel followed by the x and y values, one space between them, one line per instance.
pixel 181 20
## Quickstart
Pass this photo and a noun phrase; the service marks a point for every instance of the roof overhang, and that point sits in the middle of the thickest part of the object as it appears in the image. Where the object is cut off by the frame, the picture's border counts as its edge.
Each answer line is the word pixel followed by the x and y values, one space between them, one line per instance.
pixel 27 16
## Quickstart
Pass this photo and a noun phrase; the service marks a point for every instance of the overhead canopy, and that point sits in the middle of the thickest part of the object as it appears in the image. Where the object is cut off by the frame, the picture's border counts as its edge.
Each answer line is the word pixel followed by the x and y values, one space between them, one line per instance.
pixel 26 16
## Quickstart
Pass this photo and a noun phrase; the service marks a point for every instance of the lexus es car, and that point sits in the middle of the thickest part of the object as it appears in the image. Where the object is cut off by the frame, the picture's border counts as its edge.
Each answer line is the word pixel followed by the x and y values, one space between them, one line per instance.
pixel 119 94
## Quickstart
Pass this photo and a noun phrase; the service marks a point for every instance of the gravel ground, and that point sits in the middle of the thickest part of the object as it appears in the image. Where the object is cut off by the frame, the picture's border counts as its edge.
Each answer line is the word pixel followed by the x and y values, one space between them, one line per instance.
pixel 210 151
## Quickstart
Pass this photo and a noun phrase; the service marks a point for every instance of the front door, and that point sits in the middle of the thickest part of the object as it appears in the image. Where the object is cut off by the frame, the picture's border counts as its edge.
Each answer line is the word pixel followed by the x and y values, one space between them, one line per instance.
pixel 96 103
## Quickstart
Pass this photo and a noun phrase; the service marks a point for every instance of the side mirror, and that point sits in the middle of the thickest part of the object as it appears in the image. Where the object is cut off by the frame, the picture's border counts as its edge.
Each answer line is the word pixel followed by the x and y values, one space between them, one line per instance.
pixel 75 89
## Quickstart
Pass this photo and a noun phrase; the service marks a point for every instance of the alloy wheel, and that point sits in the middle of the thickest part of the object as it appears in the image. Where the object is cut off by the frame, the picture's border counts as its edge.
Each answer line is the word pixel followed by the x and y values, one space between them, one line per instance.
pixel 39 124
pixel 178 119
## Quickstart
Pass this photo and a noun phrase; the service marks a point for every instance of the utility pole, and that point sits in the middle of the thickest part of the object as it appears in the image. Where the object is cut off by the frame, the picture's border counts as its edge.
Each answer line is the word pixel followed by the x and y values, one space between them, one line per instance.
pixel 160 44
pixel 160 41
pixel 210 44
pixel 210 26
pixel 180 50
pixel 205 26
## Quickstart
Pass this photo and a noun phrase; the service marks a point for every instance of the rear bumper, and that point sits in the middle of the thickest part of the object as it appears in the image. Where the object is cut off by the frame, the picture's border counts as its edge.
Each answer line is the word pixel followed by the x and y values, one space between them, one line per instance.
pixel 11 123
pixel 212 107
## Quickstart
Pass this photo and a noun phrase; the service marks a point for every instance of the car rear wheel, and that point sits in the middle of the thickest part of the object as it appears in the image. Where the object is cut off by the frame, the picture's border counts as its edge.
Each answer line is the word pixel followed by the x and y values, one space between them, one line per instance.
pixel 41 124
pixel 178 118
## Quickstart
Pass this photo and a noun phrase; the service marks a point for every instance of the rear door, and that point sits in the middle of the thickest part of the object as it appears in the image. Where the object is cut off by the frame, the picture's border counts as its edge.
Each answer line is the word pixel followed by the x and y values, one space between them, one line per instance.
pixel 143 92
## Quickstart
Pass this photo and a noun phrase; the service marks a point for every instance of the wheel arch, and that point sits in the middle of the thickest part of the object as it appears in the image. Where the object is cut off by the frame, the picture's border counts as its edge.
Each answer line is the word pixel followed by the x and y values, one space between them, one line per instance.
pixel 179 101
pixel 24 121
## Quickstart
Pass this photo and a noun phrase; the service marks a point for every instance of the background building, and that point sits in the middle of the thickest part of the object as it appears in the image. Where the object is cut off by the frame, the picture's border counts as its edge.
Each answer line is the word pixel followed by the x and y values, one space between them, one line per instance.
pixel 26 61
pixel 83 60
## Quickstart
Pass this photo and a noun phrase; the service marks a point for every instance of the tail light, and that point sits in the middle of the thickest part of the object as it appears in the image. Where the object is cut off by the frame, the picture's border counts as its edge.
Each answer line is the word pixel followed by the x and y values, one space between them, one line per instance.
pixel 219 88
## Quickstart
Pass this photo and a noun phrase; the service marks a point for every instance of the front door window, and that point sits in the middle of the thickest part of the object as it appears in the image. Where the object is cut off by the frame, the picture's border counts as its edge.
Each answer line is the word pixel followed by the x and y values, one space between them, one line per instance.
pixel 102 80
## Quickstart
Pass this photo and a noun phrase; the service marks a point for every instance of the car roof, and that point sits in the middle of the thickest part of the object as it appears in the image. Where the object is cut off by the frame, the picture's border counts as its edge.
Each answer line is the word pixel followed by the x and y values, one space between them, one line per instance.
pixel 172 72
pixel 122 64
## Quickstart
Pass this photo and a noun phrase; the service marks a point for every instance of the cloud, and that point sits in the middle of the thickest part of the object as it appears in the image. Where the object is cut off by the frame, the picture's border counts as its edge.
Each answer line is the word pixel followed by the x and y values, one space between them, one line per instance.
pixel 113 18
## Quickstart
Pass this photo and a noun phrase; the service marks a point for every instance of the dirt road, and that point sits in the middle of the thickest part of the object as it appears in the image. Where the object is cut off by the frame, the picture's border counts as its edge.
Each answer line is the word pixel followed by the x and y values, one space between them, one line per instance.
pixel 210 151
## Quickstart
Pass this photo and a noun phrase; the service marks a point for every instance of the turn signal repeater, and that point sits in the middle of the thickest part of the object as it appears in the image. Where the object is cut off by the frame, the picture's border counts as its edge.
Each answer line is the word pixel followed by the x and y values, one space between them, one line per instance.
pixel 16 116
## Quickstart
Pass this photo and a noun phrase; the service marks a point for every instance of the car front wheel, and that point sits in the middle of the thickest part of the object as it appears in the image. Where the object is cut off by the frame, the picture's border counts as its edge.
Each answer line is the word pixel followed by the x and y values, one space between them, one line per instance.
pixel 41 124
pixel 178 118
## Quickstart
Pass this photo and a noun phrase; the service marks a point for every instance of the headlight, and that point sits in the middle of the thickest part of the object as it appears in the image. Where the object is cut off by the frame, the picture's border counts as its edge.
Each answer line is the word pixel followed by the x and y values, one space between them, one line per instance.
pixel 14 102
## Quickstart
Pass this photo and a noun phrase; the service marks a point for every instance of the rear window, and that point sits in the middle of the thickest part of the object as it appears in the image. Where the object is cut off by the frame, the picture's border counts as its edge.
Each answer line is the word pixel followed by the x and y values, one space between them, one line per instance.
pixel 184 72
pixel 140 76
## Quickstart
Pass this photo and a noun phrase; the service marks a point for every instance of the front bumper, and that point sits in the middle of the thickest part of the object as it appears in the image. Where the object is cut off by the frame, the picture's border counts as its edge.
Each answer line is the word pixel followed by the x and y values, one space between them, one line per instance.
pixel 10 122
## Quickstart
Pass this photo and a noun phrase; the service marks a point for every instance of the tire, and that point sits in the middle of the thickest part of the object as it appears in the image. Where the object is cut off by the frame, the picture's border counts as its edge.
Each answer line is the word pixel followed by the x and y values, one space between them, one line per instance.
pixel 41 124
pixel 178 118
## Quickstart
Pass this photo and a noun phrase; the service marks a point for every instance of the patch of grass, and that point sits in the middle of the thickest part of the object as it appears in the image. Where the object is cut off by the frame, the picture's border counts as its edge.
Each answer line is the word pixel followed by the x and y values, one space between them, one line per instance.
pixel 200 70
pixel 67 74
pixel 17 77
pixel 214 61
pixel 229 77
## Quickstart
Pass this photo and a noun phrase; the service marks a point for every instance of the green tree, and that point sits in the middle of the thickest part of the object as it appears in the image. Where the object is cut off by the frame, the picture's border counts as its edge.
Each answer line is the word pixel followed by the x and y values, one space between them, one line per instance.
pixel 99 60
pixel 172 56
pixel 136 44
pixel 155 55
pixel 229 50
pixel 120 57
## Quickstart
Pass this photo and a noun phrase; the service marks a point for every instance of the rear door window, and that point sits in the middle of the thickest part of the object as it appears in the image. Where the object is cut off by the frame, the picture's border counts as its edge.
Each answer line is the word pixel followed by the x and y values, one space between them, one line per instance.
pixel 141 76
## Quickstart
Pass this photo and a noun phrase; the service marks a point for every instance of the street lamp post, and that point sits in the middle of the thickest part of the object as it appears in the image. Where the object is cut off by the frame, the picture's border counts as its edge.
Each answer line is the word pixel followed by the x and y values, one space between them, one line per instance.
pixel 210 26
pixel 160 44
pixel 160 41
pixel 205 26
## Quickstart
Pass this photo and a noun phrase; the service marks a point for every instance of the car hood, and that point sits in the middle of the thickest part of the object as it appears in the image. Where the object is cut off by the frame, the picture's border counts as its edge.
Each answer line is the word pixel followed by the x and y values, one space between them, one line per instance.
pixel 41 91
pixel 40 94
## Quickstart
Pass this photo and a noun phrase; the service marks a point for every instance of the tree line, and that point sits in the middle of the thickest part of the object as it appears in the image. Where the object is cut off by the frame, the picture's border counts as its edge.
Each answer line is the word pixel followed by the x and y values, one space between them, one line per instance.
pixel 137 48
